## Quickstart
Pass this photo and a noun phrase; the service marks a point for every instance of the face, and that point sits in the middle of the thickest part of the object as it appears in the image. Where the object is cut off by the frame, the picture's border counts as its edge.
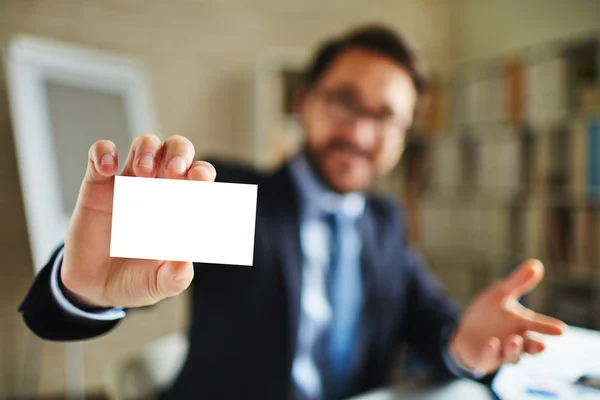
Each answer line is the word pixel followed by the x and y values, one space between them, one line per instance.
pixel 355 119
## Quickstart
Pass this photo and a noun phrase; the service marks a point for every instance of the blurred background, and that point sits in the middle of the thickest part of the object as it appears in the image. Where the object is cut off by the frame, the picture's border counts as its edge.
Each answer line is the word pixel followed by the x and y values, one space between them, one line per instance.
pixel 503 164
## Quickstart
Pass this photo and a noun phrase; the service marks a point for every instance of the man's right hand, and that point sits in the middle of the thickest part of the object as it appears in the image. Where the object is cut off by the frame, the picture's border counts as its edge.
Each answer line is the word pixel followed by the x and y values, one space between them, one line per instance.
pixel 87 270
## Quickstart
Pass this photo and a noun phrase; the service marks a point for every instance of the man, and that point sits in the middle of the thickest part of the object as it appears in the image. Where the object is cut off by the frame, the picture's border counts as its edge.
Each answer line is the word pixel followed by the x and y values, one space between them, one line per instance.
pixel 334 288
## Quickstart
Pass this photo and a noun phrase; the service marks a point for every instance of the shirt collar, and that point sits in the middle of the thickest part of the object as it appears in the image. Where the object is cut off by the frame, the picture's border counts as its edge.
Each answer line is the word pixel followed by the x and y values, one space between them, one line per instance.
pixel 316 198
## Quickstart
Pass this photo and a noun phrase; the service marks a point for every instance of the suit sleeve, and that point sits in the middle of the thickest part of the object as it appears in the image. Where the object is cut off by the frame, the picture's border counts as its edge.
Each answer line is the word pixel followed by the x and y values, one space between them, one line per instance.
pixel 432 319
pixel 431 315
pixel 53 317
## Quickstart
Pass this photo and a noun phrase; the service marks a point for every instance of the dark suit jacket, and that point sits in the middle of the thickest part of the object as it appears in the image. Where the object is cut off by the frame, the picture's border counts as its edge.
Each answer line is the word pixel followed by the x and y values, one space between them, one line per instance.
pixel 244 320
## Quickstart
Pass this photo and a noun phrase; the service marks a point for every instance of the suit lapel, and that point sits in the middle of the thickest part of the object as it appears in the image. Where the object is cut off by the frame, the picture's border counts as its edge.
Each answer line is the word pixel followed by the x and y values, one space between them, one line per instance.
pixel 285 207
pixel 371 274
pixel 372 271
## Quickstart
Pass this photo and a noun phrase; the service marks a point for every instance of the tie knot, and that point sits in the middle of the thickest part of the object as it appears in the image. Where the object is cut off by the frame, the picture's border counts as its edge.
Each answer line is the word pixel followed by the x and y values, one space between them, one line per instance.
pixel 349 206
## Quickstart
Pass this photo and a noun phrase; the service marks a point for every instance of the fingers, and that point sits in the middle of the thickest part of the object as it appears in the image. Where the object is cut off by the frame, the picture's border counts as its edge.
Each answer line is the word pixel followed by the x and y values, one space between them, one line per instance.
pixel 533 346
pixel 202 171
pixel 178 154
pixel 490 356
pixel 102 161
pixel 543 324
pixel 173 159
pixel 144 157
pixel 496 353
pixel 512 349
pixel 525 278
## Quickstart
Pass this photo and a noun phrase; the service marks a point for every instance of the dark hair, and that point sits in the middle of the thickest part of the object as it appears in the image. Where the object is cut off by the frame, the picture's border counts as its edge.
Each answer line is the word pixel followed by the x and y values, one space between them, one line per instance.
pixel 375 38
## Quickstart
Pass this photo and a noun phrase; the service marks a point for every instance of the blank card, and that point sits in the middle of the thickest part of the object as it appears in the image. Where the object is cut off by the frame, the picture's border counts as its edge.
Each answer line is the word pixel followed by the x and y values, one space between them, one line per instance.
pixel 177 220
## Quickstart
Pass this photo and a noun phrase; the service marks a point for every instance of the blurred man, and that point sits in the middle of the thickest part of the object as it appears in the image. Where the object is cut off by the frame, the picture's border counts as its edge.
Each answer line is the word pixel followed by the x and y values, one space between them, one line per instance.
pixel 334 288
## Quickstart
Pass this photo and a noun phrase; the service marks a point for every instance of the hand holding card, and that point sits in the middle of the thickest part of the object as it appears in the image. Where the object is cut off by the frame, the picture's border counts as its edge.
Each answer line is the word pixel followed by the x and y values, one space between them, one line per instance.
pixel 143 227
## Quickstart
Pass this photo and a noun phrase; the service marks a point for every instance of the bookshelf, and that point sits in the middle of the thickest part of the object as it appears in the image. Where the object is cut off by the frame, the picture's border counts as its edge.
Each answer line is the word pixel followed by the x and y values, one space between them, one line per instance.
pixel 505 165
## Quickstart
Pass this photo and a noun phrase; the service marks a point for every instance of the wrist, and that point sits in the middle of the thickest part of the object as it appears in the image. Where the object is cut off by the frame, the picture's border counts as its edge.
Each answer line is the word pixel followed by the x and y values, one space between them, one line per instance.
pixel 77 300
pixel 456 351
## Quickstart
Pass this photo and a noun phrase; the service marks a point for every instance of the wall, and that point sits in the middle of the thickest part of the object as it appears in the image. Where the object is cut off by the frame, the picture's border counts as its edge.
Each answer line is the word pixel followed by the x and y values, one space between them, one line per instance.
pixel 491 27
pixel 200 56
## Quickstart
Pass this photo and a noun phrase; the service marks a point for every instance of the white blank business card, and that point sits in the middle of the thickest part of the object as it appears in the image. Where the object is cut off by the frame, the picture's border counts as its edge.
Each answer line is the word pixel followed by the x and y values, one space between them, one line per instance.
pixel 177 220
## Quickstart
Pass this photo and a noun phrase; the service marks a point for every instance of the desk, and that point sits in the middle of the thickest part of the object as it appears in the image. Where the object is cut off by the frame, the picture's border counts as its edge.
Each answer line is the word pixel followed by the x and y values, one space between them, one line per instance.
pixel 566 358
pixel 460 389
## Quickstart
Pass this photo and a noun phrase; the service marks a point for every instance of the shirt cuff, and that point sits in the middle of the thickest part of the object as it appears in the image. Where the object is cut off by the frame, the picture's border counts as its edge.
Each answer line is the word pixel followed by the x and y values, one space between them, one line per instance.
pixel 107 315
pixel 452 362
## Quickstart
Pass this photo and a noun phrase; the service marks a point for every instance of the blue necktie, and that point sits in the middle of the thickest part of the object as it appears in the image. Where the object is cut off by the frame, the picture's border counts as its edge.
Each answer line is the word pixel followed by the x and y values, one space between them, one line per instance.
pixel 344 292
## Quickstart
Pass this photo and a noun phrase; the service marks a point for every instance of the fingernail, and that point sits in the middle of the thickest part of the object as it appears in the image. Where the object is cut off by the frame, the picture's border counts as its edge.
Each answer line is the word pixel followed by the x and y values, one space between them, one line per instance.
pixel 107 159
pixel 206 170
pixel 177 164
pixel 564 326
pixel 179 278
pixel 147 161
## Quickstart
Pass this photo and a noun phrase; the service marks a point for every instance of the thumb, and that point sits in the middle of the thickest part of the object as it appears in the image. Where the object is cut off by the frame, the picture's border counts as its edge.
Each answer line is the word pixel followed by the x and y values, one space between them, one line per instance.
pixel 526 277
pixel 141 284
pixel 172 278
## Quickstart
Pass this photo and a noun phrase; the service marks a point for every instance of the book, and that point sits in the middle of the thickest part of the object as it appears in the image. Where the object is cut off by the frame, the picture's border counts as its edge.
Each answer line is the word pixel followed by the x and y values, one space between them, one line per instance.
pixel 533 230
pixel 554 90
pixel 438 230
pixel 593 158
pixel 433 110
pixel 514 92
pixel 458 108
pixel 446 163
pixel 527 158
pixel 495 234
pixel 535 96
pixel 582 69
pixel 517 238
pixel 559 158
pixel 578 156
pixel 469 224
pixel 494 93
pixel 416 168
pixel 470 160
pixel 586 239
pixel 558 237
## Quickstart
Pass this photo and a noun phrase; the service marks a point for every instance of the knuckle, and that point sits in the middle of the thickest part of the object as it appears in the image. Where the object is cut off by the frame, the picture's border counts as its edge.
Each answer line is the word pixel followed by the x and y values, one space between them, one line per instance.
pixel 178 141
pixel 101 143
pixel 207 165
pixel 136 286
pixel 153 287
pixel 153 283
pixel 149 140
pixel 136 142
pixel 98 146
pixel 144 139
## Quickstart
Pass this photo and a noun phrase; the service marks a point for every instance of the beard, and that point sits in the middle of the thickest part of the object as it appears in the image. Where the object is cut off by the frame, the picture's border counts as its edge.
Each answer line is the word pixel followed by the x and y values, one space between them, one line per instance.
pixel 347 177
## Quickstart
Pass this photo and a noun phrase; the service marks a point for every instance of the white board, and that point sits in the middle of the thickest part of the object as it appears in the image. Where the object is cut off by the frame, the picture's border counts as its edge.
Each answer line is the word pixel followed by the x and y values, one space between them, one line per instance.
pixel 63 98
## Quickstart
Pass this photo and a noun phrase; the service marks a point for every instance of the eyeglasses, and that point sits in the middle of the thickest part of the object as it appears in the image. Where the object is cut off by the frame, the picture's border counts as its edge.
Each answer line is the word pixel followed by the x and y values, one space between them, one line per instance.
pixel 343 108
